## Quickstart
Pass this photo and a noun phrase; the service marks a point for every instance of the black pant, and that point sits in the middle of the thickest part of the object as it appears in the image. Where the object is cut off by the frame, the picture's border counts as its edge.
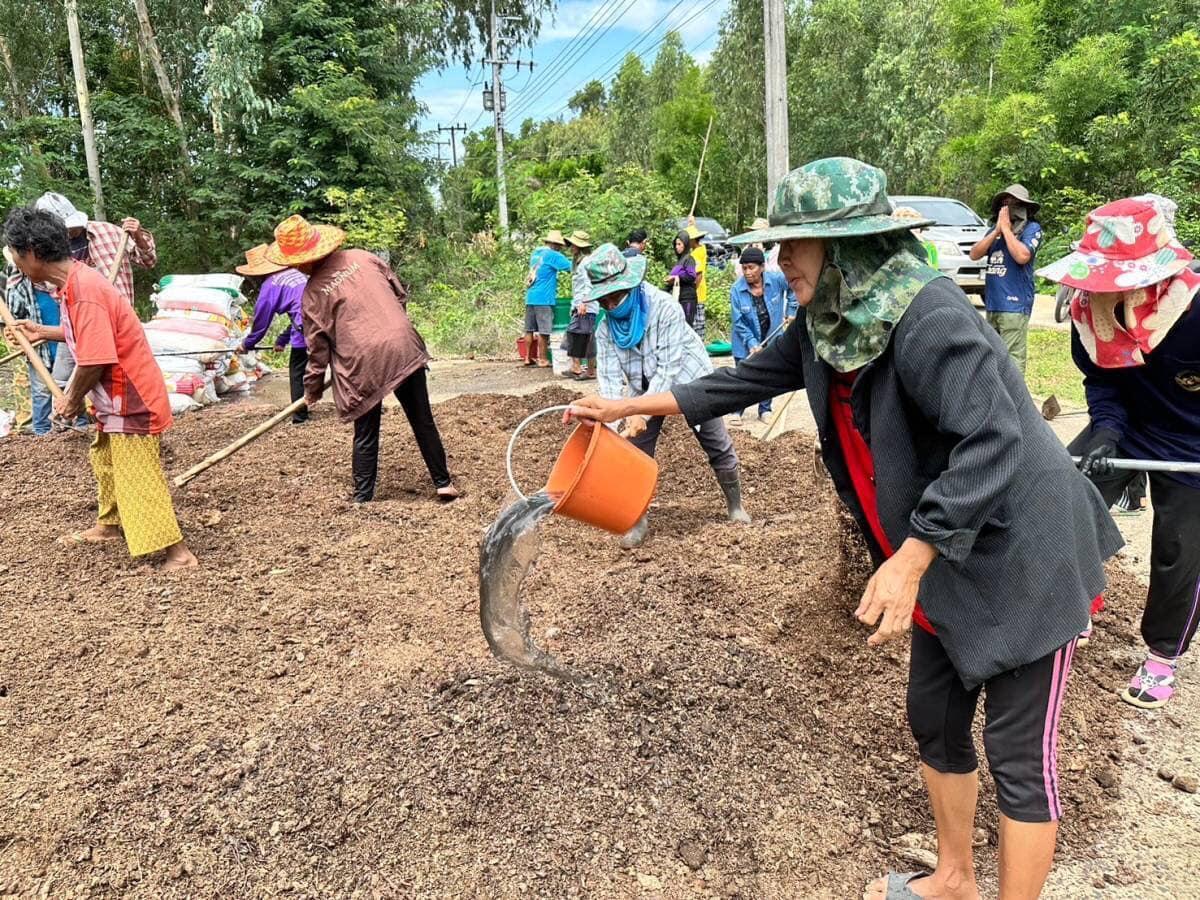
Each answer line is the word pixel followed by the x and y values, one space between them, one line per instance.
pixel 1020 732
pixel 413 394
pixel 1173 601
pixel 297 363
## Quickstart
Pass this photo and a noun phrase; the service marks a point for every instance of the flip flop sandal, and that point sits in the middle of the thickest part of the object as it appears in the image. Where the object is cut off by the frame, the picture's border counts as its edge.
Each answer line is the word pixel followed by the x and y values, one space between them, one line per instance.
pixel 76 538
pixel 897 885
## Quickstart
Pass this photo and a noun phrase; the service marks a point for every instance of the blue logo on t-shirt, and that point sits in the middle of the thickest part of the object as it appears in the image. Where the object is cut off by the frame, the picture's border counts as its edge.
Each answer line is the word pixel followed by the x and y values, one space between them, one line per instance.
pixel 1008 285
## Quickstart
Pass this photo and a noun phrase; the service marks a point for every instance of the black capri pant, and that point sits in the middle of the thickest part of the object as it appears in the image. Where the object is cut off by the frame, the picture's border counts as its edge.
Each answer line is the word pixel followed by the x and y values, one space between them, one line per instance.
pixel 1021 707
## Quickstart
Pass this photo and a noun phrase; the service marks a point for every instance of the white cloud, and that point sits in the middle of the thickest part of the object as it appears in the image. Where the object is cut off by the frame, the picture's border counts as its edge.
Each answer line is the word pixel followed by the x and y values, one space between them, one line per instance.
pixel 444 103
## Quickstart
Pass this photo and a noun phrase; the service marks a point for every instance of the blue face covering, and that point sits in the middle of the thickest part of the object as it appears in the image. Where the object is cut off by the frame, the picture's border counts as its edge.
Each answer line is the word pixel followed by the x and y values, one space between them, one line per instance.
pixel 627 321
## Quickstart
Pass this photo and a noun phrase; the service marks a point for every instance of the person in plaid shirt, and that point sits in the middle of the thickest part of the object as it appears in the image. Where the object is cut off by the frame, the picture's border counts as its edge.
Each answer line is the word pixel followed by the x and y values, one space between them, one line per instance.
pixel 97 243
pixel 645 343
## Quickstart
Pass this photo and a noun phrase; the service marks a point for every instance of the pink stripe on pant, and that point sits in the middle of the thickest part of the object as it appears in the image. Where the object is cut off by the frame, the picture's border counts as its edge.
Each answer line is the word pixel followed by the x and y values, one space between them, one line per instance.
pixel 1058 688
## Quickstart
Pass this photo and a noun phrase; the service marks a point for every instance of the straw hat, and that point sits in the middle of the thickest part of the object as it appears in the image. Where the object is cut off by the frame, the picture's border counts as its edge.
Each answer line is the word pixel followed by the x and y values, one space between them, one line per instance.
pixel 257 263
pixel 695 233
pixel 580 239
pixel 907 214
pixel 554 236
pixel 297 242
pixel 760 223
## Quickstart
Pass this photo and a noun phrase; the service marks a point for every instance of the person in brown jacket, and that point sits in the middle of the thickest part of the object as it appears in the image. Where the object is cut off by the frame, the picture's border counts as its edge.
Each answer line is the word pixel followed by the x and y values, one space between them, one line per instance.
pixel 356 321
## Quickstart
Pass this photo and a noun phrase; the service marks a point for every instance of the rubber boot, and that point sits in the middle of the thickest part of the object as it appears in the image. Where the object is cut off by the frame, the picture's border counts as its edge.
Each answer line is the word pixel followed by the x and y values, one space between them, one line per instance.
pixel 731 487
pixel 635 536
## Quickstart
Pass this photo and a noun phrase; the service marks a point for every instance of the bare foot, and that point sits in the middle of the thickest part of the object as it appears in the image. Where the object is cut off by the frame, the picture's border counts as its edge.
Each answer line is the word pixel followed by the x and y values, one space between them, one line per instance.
pixel 179 557
pixel 448 493
pixel 97 534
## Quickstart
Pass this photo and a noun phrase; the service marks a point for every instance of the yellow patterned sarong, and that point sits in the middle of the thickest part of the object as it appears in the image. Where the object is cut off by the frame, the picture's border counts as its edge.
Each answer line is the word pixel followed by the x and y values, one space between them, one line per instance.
pixel 133 491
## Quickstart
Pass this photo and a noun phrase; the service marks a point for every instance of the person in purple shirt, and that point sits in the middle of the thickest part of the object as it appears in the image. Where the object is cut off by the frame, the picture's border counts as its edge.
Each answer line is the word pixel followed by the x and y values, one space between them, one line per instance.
pixel 278 295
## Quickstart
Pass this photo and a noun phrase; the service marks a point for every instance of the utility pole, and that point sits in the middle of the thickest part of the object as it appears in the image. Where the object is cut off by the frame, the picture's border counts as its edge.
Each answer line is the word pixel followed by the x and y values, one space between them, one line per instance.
pixel 774 24
pixel 498 111
pixel 453 141
pixel 498 104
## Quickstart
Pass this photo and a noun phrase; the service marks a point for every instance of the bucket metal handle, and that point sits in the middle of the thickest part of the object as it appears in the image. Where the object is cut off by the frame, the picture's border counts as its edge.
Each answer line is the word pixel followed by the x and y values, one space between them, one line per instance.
pixel 512 442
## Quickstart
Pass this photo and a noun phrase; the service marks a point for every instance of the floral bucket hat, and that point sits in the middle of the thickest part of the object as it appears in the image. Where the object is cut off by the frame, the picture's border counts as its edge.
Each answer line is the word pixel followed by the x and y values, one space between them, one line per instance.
pixel 610 271
pixel 836 197
pixel 1127 244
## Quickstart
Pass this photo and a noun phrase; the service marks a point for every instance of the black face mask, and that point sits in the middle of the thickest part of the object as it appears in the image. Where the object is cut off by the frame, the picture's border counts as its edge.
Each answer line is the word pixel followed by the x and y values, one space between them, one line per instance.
pixel 79 247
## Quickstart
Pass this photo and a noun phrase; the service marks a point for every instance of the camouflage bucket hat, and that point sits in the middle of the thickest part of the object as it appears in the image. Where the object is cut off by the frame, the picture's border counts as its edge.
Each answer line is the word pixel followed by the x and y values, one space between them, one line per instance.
pixel 610 271
pixel 831 198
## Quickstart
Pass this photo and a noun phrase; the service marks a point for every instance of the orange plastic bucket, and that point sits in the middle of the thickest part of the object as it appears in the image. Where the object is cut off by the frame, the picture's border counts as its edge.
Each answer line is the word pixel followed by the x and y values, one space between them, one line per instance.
pixel 602 479
pixel 599 478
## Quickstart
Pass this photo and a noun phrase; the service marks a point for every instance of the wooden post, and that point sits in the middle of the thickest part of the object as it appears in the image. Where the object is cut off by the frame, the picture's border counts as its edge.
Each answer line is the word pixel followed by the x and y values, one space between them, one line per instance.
pixel 31 354
pixel 85 107
pixel 252 435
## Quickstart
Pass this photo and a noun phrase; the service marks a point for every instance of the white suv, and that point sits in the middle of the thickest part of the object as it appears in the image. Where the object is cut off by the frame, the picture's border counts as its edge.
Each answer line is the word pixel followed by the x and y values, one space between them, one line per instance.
pixel 957 230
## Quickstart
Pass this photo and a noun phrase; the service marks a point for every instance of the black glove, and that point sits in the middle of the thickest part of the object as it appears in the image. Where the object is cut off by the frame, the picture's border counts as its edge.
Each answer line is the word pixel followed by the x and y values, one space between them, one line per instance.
pixel 1096 459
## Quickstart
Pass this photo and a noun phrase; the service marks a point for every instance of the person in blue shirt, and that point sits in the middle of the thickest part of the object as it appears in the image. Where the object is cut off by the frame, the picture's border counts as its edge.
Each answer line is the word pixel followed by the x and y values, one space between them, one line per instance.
pixel 760 302
pixel 27 301
pixel 541 292
pixel 1010 247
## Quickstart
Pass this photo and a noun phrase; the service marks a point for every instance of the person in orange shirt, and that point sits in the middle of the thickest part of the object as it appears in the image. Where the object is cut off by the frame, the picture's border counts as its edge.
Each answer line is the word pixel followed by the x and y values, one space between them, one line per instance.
pixel 117 373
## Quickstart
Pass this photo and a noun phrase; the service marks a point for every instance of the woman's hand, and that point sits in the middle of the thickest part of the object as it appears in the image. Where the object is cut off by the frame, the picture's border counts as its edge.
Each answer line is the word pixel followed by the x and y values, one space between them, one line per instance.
pixel 595 409
pixel 892 591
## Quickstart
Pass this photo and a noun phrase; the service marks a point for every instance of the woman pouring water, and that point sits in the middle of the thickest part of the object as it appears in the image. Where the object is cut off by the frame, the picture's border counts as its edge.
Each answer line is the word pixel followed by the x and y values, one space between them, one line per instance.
pixel 963 495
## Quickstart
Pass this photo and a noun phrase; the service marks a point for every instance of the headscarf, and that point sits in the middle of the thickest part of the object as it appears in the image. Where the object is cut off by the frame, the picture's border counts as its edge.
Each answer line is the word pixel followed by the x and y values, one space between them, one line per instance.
pixel 866 286
pixel 687 244
pixel 627 320
pixel 1147 316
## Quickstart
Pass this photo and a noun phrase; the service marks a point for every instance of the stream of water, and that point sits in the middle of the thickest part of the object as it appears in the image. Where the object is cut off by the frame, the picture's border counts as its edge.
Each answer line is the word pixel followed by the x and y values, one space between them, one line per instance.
pixel 509 549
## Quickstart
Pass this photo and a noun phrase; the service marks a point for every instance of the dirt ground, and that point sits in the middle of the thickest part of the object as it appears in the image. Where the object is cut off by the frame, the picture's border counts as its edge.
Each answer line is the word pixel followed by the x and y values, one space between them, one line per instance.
pixel 316 713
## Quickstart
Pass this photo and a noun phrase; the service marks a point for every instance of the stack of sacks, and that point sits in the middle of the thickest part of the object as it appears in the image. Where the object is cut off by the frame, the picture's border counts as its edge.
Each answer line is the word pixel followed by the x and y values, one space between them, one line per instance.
pixel 200 315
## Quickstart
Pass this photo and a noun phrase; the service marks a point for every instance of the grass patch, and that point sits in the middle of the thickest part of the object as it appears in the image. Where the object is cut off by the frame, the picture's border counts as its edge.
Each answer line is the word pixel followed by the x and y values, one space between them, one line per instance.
pixel 1050 369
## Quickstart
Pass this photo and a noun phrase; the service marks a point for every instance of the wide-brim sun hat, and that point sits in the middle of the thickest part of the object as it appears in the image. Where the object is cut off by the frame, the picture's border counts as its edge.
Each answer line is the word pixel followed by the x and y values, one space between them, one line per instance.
pixel 257 263
pixel 1127 244
pixel 1017 192
pixel 298 241
pixel 611 271
pixel 695 233
pixel 831 198
pixel 554 236
pixel 580 239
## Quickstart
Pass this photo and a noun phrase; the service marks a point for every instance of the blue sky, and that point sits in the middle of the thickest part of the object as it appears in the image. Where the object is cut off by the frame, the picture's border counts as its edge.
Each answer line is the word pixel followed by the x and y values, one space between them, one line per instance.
pixel 582 40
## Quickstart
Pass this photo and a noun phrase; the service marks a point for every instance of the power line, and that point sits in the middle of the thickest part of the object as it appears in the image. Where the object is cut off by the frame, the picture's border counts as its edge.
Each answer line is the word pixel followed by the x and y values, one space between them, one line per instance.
pixel 610 19
pixel 610 65
pixel 580 36
pixel 469 93
pixel 648 50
